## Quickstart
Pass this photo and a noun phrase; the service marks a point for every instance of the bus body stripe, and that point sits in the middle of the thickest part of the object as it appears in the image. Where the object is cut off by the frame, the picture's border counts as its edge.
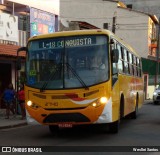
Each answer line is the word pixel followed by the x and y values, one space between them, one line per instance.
pixel 84 101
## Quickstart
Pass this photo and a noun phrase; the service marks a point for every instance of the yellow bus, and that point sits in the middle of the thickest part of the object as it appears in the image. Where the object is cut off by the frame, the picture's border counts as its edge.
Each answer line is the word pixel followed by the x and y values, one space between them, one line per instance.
pixel 81 77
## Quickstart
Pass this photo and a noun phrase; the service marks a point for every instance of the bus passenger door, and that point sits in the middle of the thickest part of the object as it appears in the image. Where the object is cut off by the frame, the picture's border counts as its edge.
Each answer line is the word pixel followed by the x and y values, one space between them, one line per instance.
pixel 115 81
pixel 114 74
pixel 114 61
pixel 115 92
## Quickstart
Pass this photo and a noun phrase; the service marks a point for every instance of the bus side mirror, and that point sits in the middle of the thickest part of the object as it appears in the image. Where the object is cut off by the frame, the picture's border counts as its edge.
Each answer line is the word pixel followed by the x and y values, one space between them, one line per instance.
pixel 115 56
pixel 112 42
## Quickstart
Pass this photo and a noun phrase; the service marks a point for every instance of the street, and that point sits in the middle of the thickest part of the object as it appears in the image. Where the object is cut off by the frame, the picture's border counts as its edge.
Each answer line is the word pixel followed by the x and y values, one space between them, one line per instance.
pixel 144 131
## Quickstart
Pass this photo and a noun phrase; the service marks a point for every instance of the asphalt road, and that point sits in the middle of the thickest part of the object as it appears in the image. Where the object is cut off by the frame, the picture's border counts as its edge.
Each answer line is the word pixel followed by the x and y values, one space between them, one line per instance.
pixel 141 132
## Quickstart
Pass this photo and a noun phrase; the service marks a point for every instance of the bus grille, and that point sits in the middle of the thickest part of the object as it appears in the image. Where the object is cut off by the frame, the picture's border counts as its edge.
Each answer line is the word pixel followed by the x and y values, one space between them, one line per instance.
pixel 66 117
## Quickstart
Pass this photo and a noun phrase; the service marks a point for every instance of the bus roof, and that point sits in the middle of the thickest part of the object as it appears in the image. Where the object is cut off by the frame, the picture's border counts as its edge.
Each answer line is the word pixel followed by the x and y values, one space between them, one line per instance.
pixel 84 32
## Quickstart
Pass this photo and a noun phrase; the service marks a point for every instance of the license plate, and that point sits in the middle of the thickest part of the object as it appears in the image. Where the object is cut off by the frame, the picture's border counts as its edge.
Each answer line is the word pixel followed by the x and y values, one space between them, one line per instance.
pixel 65 125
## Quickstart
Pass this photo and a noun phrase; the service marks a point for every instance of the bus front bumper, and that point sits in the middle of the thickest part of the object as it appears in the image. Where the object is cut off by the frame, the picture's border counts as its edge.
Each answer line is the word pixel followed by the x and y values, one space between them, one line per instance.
pixel 88 115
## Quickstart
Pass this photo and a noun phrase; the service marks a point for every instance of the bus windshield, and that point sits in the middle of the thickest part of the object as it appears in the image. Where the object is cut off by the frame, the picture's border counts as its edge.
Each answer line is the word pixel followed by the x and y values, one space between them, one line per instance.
pixel 67 62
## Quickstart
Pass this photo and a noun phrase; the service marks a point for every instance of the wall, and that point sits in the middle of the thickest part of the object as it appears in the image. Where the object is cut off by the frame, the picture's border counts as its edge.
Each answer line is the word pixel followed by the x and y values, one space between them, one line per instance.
pixel 148 6
pixel 133 28
pixel 150 92
pixel 97 12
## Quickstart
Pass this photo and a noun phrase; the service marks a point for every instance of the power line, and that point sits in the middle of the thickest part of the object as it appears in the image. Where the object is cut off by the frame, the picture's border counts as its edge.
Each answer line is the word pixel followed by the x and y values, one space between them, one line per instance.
pixel 97 17
pixel 133 24
pixel 100 2
pixel 133 29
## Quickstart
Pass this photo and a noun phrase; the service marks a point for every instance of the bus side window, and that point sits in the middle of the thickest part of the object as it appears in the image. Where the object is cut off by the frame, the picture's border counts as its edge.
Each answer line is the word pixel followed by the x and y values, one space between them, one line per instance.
pixel 120 63
pixel 134 65
pixel 138 67
pixel 115 67
pixel 130 64
pixel 126 66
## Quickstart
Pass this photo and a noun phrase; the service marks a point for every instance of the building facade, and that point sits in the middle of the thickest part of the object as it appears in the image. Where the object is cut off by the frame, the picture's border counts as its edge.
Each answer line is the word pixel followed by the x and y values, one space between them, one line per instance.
pixel 152 71
pixel 18 22
pixel 148 6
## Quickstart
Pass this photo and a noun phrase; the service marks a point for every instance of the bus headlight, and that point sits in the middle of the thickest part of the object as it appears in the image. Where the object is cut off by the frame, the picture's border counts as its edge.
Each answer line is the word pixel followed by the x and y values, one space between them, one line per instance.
pixel 100 101
pixel 103 100
pixel 29 103
pixel 32 105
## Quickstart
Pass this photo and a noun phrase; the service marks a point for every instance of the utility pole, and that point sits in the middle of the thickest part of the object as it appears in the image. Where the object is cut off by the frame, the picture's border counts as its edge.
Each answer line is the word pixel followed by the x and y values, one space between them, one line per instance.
pixel 114 23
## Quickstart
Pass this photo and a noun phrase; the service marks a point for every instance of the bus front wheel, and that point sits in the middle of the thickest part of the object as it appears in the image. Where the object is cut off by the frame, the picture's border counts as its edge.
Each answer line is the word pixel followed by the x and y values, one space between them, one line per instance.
pixel 114 126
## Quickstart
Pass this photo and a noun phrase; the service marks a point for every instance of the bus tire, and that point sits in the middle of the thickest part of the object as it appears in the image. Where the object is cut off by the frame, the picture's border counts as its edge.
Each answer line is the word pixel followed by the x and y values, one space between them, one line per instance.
pixel 114 127
pixel 135 112
pixel 122 107
pixel 53 129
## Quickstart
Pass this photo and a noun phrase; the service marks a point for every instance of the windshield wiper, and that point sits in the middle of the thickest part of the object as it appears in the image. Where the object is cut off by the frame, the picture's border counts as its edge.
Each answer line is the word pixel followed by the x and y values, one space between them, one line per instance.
pixel 77 76
pixel 57 69
pixel 52 76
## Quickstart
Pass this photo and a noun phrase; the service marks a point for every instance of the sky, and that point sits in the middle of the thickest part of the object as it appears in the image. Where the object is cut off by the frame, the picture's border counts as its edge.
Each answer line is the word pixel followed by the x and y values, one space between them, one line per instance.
pixel 51 6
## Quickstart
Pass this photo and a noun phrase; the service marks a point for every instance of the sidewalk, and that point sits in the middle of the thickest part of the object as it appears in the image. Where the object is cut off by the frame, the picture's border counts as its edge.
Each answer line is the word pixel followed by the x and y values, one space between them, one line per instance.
pixel 13 121
pixel 148 101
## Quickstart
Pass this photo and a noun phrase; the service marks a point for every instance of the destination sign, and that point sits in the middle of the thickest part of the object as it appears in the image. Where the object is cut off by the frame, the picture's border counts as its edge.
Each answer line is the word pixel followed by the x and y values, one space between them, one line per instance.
pixel 72 42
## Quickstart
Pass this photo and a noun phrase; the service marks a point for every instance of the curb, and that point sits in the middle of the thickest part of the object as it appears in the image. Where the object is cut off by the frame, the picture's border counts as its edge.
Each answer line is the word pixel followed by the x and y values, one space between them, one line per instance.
pixel 13 125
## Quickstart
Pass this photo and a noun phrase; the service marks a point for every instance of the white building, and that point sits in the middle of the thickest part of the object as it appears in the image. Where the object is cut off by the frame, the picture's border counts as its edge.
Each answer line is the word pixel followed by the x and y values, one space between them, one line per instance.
pixel 148 6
